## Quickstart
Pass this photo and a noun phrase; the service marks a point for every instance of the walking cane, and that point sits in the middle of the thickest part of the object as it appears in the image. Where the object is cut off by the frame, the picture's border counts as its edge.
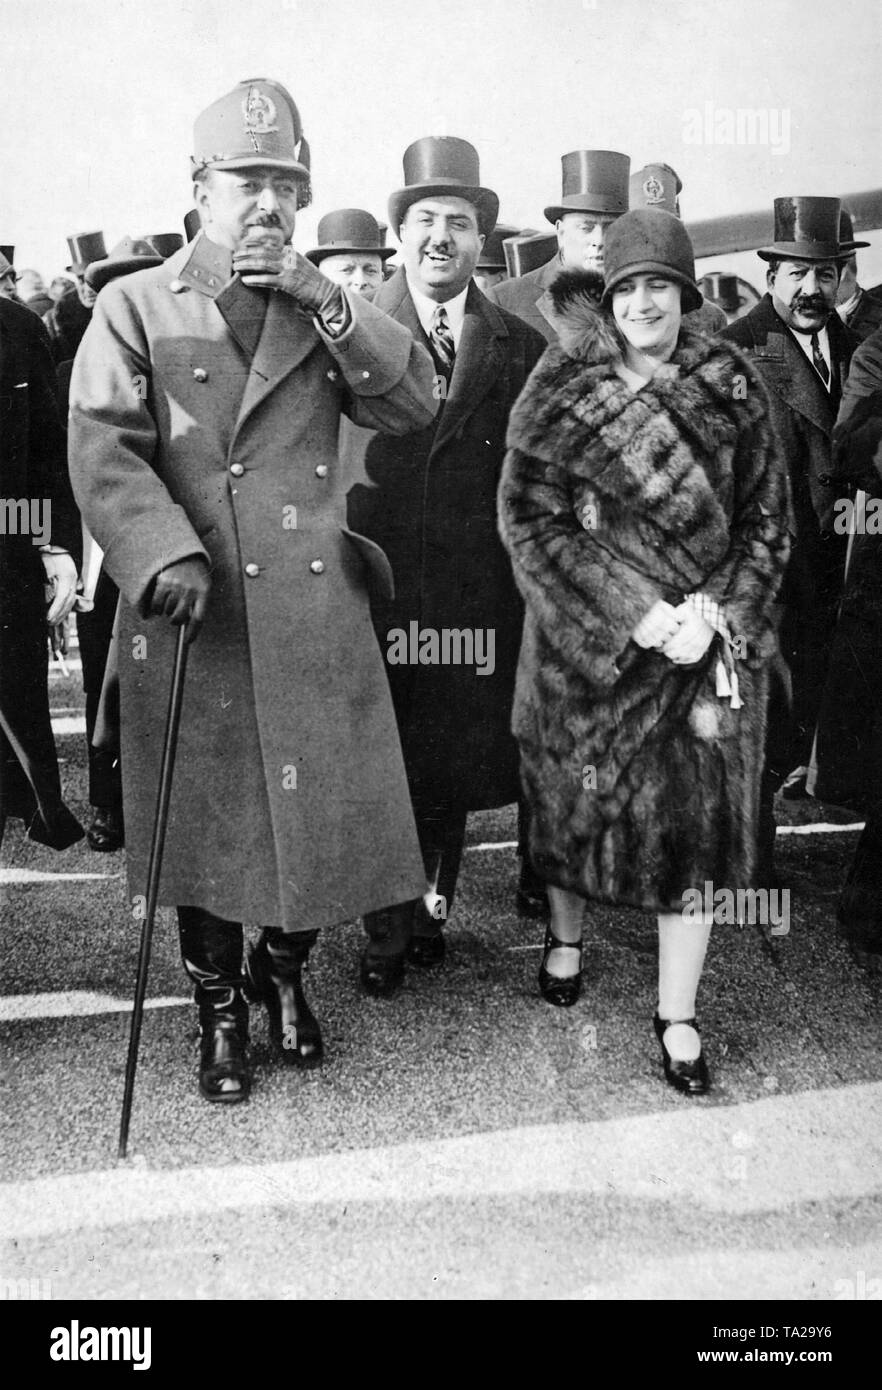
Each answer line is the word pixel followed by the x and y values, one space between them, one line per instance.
pixel 157 846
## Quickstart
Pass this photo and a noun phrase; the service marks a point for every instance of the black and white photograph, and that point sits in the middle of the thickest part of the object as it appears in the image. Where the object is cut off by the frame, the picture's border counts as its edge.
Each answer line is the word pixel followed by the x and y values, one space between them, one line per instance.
pixel 441 667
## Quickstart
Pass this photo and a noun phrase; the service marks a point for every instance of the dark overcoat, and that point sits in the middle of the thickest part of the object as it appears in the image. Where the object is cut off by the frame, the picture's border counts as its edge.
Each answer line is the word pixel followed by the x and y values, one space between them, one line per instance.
pixel 521 296
pixel 206 422
pixel 849 747
pixel 802 414
pixel 642 781
pixel 866 316
pixel 32 470
pixel 429 500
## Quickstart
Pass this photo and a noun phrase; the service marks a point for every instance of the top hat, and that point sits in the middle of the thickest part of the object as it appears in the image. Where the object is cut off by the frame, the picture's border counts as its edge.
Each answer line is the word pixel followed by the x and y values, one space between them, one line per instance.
pixel 593 181
pixel 529 251
pixel 846 233
pixel 192 223
pixel 648 241
pixel 439 165
pixel 165 244
pixel 8 253
pixel 126 256
pixel 6 266
pixel 349 230
pixel 256 124
pixel 722 289
pixel 84 248
pixel 492 256
pixel 806 229
pixel 656 186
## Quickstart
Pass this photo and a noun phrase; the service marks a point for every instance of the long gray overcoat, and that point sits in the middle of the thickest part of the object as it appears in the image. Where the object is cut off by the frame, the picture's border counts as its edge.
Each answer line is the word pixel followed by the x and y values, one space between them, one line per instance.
pixel 205 422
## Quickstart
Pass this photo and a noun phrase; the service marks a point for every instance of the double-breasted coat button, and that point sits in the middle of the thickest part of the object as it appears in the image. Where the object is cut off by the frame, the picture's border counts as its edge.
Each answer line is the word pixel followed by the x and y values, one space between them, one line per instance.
pixel 200 374
pixel 252 571
pixel 321 470
pixel 237 470
pixel 332 374
pixel 317 567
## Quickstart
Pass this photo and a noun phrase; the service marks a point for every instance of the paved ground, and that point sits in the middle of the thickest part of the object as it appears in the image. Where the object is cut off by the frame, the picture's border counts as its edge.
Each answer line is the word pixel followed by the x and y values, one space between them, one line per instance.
pixel 462 1141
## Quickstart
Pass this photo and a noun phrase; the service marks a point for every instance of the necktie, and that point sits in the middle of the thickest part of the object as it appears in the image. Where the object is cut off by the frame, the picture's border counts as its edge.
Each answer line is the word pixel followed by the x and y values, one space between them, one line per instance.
pixel 821 367
pixel 442 339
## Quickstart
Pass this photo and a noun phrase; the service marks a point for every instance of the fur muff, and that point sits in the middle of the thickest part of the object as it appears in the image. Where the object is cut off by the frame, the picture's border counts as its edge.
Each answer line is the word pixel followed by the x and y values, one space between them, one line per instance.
pixel 642 782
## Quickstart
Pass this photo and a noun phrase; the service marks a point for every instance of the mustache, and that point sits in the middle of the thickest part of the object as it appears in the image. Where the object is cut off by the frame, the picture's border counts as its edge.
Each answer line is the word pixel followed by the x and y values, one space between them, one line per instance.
pixel 266 219
pixel 810 303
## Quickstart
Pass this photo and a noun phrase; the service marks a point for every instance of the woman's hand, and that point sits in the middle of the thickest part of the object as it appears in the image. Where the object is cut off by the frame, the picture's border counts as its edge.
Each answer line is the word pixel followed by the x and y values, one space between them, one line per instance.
pixel 692 638
pixel 659 626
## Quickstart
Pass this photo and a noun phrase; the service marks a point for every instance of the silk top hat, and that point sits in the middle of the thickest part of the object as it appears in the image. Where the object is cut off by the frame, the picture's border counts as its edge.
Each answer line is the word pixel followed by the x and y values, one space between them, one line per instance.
pixel 721 289
pixel 126 256
pixel 165 244
pixel 646 242
pixel 84 248
pixel 8 254
pixel 492 256
pixel 257 123
pixel 656 186
pixel 846 233
pixel 192 223
pixel 593 181
pixel 806 229
pixel 439 165
pixel 6 267
pixel 348 230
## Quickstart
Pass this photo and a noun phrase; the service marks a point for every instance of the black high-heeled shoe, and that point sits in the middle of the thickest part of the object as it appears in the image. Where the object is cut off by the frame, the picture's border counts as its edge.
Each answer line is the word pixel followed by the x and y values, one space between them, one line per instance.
pixel 560 990
pixel 691 1077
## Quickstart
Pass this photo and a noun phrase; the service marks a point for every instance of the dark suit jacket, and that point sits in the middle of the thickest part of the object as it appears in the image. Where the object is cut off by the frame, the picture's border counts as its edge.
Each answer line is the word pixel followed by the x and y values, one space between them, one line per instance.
pixel 521 295
pixel 803 413
pixel 33 469
pixel 429 499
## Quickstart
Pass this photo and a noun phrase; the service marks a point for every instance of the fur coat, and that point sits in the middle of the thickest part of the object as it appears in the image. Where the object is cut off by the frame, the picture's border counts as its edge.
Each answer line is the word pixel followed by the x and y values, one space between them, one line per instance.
pixel 642 781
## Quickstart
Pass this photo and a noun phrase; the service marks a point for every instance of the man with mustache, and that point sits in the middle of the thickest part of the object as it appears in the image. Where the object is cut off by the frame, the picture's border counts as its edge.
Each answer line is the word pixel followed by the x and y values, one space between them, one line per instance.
pixel 802 352
pixel 206 402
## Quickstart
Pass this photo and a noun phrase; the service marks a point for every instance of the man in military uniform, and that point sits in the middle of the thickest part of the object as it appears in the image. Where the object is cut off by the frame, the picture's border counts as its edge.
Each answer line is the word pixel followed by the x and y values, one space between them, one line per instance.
pixel 659 186
pixel 595 193
pixel 205 411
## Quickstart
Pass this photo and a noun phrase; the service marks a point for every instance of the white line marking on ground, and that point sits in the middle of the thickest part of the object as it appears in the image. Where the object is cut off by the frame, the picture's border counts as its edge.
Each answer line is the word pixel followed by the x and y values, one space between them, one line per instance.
pixel 503 844
pixel 683 1155
pixel 69 725
pixel 43 876
pixel 76 1003
pixel 820 828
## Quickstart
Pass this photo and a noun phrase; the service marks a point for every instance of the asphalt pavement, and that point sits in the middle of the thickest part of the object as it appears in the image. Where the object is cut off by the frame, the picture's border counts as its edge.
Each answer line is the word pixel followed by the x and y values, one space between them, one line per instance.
pixel 463 1140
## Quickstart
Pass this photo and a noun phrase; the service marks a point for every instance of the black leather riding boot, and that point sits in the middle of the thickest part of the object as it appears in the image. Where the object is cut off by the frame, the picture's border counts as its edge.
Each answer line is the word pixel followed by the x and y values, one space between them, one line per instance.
pixel 211 949
pixel 274 978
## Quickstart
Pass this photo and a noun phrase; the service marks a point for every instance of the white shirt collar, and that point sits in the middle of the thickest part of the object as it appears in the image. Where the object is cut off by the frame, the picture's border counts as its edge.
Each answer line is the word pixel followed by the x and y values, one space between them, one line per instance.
pixel 426 309
pixel 805 342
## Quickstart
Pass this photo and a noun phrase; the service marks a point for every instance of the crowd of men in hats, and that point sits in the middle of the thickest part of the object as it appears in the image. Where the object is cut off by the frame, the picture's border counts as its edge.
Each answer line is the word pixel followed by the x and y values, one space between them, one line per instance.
pixel 306 479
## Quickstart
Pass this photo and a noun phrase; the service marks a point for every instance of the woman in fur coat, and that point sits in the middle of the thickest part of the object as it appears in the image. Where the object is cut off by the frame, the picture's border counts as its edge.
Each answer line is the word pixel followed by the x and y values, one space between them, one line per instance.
pixel 646 513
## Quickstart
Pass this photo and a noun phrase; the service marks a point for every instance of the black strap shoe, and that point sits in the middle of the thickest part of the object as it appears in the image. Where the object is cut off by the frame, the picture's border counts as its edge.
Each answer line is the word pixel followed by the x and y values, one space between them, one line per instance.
pixel 690 1077
pixel 273 978
pixel 106 832
pixel 561 990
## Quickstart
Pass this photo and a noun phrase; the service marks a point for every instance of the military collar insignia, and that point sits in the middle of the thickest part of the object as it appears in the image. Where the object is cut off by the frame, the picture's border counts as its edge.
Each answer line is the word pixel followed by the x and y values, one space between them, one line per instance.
pixel 207 268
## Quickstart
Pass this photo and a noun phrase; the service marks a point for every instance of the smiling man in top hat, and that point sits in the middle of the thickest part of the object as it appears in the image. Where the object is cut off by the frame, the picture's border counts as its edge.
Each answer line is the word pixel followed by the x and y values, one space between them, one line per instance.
pixel 859 309
pixel 206 404
pixel 350 250
pixel 430 502
pixel 595 193
pixel 802 353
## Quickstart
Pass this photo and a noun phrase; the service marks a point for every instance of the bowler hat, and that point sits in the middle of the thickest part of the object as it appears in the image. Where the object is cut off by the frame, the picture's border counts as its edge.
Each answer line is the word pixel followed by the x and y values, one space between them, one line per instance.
pixel 126 256
pixel 593 181
pixel 656 186
pixel 806 229
pixel 192 223
pixel 8 253
pixel 165 244
pixel 257 123
pixel 84 248
pixel 646 242
pixel 442 165
pixel 349 230
pixel 846 233
pixel 492 255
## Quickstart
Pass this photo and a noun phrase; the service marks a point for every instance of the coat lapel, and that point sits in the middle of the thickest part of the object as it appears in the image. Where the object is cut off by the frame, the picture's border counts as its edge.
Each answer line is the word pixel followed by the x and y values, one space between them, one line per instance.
pixel 479 360
pixel 788 371
pixel 286 338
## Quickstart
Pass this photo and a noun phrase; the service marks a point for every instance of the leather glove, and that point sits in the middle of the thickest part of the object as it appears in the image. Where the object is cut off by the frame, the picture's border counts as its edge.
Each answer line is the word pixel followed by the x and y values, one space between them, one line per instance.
pixel 658 626
pixel 263 260
pixel 180 593
pixel 61 584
